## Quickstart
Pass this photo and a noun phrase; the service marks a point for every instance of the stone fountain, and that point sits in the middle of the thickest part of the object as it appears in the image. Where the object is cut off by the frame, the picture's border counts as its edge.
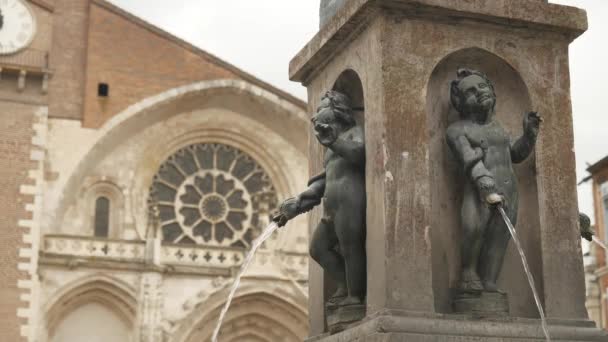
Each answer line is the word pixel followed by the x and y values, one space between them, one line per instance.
pixel 394 61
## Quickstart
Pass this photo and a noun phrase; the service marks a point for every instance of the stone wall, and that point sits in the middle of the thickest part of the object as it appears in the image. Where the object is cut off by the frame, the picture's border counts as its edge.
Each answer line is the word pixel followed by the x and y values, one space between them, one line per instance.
pixel 328 10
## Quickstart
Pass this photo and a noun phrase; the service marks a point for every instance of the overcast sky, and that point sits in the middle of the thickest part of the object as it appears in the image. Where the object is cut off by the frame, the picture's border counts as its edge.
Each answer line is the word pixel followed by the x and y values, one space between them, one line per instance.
pixel 261 37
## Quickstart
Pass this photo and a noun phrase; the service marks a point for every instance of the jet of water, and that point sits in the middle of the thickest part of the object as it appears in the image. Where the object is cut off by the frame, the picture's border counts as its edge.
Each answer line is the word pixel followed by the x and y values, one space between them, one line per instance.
pixel 256 244
pixel 600 243
pixel 543 319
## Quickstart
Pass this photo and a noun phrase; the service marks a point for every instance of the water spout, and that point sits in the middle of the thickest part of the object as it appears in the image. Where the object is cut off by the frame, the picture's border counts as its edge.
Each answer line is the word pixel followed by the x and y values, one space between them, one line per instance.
pixel 543 319
pixel 256 244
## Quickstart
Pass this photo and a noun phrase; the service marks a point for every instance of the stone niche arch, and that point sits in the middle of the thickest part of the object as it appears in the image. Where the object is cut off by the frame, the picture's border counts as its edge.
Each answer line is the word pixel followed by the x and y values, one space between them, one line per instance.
pixel 272 121
pixel 269 313
pixel 513 100
pixel 112 294
pixel 350 84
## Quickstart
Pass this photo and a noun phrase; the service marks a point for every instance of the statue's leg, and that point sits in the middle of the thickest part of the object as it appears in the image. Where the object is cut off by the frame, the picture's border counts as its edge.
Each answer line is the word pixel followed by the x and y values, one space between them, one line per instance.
pixel 474 218
pixel 322 250
pixel 350 229
pixel 494 249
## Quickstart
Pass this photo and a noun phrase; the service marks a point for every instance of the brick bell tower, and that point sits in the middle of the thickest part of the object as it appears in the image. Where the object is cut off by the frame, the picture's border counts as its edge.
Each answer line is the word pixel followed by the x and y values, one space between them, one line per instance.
pixel 42 68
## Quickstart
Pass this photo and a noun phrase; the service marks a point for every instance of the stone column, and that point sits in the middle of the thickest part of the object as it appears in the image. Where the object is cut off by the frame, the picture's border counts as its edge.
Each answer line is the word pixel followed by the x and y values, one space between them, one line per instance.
pixel 150 305
pixel 150 294
pixel 404 52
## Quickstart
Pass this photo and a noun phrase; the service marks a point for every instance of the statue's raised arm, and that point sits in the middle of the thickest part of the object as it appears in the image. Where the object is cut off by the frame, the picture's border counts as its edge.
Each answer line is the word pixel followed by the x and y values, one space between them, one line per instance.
pixel 523 147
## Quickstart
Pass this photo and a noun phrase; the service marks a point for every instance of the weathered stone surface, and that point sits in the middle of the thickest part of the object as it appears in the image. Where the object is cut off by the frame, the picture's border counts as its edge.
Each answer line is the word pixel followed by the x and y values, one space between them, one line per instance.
pixel 328 10
pixel 404 52
pixel 515 14
pixel 481 303
pixel 340 317
pixel 395 327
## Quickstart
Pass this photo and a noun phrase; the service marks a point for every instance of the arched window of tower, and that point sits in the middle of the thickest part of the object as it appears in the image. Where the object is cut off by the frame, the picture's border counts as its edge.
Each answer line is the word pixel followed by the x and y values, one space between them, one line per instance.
pixel 212 194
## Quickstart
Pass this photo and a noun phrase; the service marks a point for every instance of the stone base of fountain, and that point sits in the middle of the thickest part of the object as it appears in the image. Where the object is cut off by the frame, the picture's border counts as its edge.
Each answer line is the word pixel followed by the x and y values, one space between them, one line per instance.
pixel 392 326
pixel 481 303
pixel 340 317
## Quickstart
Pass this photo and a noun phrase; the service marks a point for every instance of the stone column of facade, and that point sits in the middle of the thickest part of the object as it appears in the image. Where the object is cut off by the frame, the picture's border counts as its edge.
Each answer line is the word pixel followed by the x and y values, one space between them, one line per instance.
pixel 150 305
pixel 150 293
pixel 404 53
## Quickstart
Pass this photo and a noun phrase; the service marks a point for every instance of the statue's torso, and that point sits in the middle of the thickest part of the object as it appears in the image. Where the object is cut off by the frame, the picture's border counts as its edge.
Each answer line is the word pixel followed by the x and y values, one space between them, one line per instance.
pixel 344 182
pixel 496 144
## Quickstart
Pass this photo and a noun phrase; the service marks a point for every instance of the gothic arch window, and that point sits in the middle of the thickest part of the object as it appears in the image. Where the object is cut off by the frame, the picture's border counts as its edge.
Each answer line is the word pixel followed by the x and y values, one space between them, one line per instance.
pixel 212 194
pixel 102 217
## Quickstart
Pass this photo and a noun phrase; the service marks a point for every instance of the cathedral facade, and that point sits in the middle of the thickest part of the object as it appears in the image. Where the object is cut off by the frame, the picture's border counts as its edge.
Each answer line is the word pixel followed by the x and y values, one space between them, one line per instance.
pixel 137 171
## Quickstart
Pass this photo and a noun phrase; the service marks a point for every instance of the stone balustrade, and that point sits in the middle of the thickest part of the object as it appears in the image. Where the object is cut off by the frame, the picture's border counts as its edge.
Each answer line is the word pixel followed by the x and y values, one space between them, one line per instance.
pixel 88 248
pixel 91 247
pixel 204 256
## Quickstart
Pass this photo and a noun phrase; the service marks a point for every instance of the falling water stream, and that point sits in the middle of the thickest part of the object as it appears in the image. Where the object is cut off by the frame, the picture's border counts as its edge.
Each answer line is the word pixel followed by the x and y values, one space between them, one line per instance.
pixel 600 243
pixel 528 273
pixel 256 244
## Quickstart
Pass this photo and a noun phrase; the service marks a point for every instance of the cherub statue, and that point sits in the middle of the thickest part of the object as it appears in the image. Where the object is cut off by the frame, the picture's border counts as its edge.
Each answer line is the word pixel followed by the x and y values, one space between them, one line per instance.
pixel 486 154
pixel 338 243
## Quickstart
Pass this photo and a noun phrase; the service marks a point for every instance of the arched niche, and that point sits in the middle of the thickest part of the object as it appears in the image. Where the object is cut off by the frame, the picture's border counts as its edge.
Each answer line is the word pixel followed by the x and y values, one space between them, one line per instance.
pixel 348 83
pixel 513 101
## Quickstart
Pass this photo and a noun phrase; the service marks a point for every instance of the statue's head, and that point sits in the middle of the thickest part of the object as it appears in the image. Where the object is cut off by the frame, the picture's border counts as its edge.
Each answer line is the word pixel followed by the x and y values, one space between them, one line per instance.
pixel 472 94
pixel 334 110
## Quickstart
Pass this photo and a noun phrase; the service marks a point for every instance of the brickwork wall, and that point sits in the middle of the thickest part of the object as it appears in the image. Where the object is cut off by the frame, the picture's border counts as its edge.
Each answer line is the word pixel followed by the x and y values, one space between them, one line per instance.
pixel 68 58
pixel 137 62
pixel 18 189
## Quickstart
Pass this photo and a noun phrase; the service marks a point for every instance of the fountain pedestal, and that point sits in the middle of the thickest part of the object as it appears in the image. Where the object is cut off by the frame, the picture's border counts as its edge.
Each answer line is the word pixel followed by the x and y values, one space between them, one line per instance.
pixel 481 303
pixel 394 58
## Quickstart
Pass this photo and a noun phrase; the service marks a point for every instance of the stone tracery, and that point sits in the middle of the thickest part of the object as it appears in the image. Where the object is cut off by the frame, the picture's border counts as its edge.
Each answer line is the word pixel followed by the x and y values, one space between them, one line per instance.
pixel 211 194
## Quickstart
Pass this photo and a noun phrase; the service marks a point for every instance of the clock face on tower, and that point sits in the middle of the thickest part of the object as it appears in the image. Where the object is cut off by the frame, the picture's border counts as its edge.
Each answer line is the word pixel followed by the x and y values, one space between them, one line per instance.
pixel 17 26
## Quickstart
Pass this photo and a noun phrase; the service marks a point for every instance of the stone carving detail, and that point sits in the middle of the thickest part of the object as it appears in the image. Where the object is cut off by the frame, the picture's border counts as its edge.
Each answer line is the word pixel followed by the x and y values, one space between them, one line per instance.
pixel 211 194
pixel 150 309
pixel 88 248
pixel 93 248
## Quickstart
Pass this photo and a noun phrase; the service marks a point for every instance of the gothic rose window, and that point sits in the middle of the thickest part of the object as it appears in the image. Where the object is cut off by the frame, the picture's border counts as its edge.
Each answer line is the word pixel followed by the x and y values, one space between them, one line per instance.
pixel 212 194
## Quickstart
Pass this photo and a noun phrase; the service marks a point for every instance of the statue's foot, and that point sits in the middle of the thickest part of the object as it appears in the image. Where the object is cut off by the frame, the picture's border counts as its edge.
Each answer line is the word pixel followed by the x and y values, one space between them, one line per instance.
pixel 341 292
pixel 470 281
pixel 490 286
pixel 338 296
pixel 351 300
